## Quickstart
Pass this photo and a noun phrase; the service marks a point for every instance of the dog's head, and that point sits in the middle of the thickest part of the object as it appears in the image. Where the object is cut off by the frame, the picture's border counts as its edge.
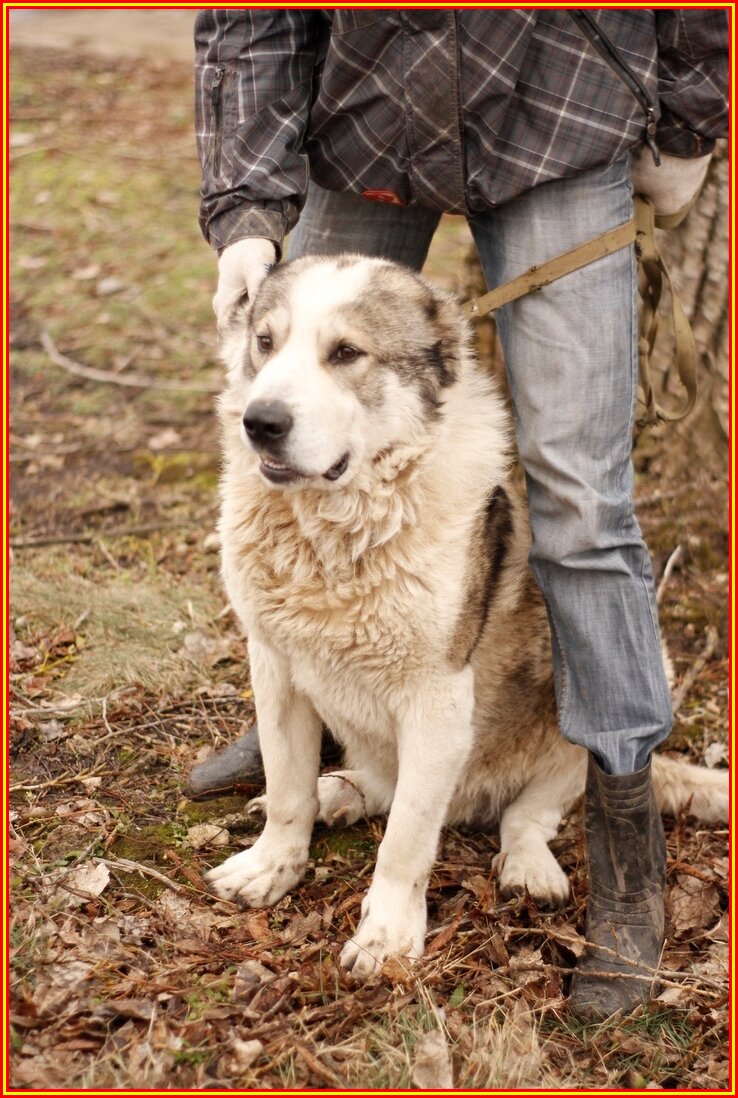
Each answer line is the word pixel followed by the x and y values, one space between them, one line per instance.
pixel 337 360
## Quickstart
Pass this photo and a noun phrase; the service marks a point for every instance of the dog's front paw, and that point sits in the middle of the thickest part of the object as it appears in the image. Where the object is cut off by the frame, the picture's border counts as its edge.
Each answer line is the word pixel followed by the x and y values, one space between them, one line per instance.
pixel 380 936
pixel 256 879
pixel 535 870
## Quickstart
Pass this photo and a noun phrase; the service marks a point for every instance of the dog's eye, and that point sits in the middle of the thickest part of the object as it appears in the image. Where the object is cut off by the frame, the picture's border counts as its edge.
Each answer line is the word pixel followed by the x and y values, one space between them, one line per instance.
pixel 264 343
pixel 344 353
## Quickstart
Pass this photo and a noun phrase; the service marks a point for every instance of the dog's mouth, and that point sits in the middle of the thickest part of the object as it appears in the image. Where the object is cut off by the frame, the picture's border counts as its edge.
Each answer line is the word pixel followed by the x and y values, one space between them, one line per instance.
pixel 279 473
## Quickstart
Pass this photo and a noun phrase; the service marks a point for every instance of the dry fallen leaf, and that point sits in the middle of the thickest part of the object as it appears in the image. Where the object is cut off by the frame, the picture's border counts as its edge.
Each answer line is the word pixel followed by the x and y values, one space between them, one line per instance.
pixel 201 648
pixel 86 881
pixel 21 654
pixel 140 1009
pixel 568 937
pixel 207 834
pixel 244 1053
pixel 526 966
pixel 481 889
pixel 398 970
pixel 715 753
pixel 694 904
pixel 53 730
pixel 675 996
pixel 86 274
pixel 249 977
pixel 257 924
pixel 107 286
pixel 432 1062
pixel 719 932
pixel 302 926
pixel 162 439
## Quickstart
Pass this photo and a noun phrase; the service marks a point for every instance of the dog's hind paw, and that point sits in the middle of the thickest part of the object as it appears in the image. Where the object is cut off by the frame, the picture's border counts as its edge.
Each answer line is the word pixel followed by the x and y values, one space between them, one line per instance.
pixel 255 880
pixel 341 802
pixel 532 869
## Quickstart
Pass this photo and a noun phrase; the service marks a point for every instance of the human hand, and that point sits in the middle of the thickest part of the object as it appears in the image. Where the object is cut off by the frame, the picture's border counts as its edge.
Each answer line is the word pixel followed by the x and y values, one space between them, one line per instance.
pixel 242 268
pixel 672 186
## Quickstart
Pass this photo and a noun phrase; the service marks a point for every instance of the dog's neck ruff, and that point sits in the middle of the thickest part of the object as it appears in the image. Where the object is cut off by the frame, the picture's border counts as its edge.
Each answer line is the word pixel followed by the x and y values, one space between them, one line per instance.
pixel 383 498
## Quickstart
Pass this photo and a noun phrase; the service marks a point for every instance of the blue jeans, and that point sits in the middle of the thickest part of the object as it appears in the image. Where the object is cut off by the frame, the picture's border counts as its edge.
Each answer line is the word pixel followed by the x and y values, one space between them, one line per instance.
pixel 571 357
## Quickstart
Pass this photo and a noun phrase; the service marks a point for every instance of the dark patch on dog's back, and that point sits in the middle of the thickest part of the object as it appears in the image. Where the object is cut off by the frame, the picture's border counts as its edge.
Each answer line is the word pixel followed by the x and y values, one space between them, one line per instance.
pixel 488 552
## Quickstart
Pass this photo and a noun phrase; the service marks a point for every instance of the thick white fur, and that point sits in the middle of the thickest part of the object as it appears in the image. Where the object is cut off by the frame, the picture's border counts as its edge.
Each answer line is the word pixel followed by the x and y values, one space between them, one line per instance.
pixel 350 592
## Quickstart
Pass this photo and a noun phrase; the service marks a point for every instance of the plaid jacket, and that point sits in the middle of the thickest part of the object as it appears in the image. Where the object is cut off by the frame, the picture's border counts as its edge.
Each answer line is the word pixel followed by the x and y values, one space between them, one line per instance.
pixel 455 109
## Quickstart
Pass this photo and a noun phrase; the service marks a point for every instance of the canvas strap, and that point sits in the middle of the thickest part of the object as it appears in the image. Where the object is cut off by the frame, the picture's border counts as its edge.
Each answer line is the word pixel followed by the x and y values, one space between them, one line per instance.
pixel 640 230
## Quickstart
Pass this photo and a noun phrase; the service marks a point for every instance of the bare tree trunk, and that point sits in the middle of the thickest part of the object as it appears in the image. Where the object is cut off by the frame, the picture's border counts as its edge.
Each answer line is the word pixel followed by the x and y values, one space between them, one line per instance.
pixel 696 255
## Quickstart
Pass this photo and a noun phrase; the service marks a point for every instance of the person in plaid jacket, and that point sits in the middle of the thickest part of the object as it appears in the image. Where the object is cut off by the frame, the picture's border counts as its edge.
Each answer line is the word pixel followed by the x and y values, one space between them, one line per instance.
pixel 354 130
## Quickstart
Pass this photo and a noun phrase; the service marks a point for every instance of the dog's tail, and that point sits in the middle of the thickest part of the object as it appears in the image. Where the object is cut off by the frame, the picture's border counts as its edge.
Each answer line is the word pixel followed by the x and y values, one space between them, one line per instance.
pixel 680 786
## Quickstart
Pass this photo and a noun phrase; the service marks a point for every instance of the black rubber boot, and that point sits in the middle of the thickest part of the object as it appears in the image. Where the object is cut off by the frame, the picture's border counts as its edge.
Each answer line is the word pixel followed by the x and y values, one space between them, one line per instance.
pixel 239 765
pixel 626 866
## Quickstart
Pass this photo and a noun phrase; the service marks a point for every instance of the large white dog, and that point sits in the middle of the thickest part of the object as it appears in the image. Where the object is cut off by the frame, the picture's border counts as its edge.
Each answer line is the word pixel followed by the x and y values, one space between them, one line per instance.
pixel 377 558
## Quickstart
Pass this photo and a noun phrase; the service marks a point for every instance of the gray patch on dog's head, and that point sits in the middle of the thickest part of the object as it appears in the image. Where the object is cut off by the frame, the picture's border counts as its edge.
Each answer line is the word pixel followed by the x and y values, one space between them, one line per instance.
pixel 275 289
pixel 421 335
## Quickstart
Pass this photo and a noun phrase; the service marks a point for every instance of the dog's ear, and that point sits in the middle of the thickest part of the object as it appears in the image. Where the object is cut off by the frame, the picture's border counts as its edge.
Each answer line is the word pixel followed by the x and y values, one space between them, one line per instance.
pixel 450 329
pixel 234 329
pixel 235 316
pixel 444 312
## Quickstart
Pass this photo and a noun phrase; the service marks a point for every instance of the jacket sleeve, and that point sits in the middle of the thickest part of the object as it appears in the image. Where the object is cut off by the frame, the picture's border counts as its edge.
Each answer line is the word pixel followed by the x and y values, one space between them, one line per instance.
pixel 254 80
pixel 693 79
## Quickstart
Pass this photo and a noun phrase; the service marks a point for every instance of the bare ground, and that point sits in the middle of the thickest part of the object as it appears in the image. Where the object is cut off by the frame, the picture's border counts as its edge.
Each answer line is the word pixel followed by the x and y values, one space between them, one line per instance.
pixel 127 665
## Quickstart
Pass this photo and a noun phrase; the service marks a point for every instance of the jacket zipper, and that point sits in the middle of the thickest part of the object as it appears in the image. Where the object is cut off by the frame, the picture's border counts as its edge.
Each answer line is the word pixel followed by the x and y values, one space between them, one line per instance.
pixel 215 91
pixel 461 183
pixel 610 55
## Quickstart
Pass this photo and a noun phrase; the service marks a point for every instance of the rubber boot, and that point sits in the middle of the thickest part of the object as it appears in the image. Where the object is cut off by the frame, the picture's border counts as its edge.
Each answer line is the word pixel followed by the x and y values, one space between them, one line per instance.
pixel 626 867
pixel 240 765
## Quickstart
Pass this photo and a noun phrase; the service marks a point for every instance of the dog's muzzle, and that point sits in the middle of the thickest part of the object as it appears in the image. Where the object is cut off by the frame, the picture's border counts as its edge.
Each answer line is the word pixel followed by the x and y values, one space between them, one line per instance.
pixel 267 424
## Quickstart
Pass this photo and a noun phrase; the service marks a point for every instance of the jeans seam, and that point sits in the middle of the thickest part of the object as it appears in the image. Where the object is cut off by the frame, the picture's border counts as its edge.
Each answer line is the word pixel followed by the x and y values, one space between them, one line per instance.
pixel 564 687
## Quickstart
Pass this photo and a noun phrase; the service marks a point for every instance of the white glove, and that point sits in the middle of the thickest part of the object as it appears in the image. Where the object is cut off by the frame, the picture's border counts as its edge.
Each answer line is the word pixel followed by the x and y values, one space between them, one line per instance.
pixel 242 268
pixel 673 184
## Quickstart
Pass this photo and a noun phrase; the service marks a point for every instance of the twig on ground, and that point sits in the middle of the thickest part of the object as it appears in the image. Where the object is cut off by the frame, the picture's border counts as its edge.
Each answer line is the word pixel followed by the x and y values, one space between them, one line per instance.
pixel 64 779
pixel 134 381
pixel 314 1065
pixel 671 493
pixel 694 983
pixel 88 538
pixel 674 559
pixel 107 554
pixel 106 722
pixel 696 669
pixel 126 866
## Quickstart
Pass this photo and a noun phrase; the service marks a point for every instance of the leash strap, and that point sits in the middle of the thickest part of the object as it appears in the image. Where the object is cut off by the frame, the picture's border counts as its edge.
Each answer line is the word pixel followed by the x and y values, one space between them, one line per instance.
pixel 535 278
pixel 639 231
pixel 652 275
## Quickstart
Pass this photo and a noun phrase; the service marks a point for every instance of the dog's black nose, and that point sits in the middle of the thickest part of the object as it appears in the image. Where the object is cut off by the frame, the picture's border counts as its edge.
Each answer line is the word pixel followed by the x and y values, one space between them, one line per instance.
pixel 267 422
